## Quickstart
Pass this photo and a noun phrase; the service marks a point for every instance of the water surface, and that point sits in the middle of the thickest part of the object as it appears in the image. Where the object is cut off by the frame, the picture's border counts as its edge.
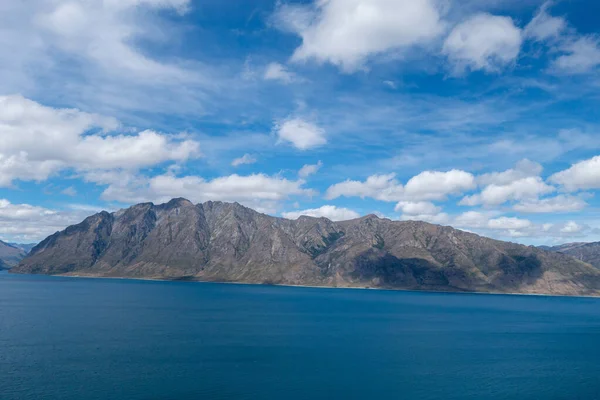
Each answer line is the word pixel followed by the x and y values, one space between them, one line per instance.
pixel 69 338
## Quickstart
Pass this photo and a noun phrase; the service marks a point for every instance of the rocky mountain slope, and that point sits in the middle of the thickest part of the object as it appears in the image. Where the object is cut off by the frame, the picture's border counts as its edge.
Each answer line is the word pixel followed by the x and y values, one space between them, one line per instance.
pixel 10 255
pixel 586 252
pixel 217 241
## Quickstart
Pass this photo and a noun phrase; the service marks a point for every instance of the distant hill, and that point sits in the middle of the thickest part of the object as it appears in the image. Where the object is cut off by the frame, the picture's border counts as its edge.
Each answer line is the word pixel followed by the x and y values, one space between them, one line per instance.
pixel 10 255
pixel 587 252
pixel 26 247
pixel 217 241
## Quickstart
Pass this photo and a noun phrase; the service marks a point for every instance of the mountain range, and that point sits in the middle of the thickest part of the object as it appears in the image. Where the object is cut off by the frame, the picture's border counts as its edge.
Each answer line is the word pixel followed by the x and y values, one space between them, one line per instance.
pixel 227 242
pixel 11 254
pixel 587 252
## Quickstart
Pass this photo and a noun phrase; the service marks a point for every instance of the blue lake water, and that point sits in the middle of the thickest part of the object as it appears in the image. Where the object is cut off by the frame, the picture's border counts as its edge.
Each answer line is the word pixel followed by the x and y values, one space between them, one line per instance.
pixel 68 338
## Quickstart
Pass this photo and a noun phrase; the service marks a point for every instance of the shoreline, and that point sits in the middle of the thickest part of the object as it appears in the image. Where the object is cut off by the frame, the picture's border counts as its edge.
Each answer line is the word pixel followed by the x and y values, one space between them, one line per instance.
pixel 310 286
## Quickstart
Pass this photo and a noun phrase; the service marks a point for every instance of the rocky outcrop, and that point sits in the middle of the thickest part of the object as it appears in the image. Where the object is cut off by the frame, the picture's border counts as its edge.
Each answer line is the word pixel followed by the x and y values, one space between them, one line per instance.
pixel 217 241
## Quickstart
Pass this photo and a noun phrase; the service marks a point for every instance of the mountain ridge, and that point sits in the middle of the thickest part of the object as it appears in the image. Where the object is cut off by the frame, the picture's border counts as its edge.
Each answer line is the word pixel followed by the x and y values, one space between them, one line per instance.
pixel 10 255
pixel 588 252
pixel 217 241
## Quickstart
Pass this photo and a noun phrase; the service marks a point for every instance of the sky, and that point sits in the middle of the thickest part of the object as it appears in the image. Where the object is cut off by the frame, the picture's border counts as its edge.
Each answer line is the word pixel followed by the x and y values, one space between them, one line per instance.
pixel 479 114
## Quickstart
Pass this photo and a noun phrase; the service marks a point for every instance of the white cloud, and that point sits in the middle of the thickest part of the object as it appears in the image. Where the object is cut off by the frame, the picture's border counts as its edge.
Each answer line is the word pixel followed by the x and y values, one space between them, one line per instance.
pixel 440 218
pixel 422 211
pixel 277 72
pixel 483 42
pixel 436 185
pixel 546 227
pixel 330 212
pixel 582 175
pixel 300 133
pixel 521 183
pixel 38 141
pixel 417 208
pixel 509 223
pixel 491 224
pixel 259 191
pixel 24 222
pixel 379 187
pixel 21 211
pixel 544 26
pixel 428 185
pixel 571 227
pixel 101 55
pixel 472 219
pixel 102 31
pixel 567 230
pixel 521 189
pixel 557 204
pixel 70 191
pixel 245 159
pixel 309 169
pixel 347 33
pixel 524 169
pixel 582 56
pixel 131 151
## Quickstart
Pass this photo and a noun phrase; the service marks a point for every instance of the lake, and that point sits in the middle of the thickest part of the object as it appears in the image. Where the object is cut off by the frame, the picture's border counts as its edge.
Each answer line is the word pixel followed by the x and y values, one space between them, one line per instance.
pixel 70 338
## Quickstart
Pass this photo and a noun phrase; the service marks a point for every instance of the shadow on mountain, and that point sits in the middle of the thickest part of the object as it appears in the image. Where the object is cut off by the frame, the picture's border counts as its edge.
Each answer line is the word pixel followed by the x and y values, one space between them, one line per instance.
pixel 389 271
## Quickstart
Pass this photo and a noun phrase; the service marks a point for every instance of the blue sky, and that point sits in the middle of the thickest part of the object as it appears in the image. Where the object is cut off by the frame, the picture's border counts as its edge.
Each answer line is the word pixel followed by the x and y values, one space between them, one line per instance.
pixel 481 114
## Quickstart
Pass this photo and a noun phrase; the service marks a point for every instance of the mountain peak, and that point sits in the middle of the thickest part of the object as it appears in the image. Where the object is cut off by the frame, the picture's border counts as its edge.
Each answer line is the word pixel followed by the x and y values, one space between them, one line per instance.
pixel 370 216
pixel 179 202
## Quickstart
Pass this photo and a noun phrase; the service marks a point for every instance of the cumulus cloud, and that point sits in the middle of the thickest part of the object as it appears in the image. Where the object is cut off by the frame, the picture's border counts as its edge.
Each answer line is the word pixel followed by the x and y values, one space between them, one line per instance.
pixel 277 72
pixel 571 227
pixel 18 212
pixel 436 185
pixel 330 212
pixel 309 169
pixel 557 204
pixel 421 211
pixel 509 223
pixel 524 169
pixel 131 151
pixel 347 33
pixel 521 189
pixel 259 191
pixel 472 219
pixel 39 141
pixel 301 134
pixel 417 208
pixel 379 187
pixel 521 183
pixel 245 159
pixel 582 175
pixel 483 42
pixel 490 223
pixel 27 223
pixel 428 185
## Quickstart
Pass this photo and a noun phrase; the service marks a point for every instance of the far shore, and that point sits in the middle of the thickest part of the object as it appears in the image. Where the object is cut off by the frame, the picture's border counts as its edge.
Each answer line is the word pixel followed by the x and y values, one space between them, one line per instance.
pixel 311 286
